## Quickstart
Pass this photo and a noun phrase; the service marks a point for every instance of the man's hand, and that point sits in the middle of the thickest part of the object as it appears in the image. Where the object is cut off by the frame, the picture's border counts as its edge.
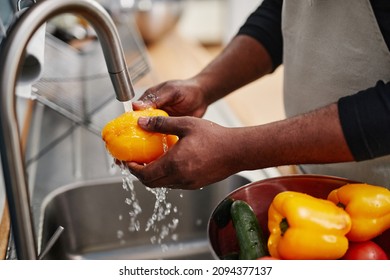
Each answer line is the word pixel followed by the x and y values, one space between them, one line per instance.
pixel 199 158
pixel 176 97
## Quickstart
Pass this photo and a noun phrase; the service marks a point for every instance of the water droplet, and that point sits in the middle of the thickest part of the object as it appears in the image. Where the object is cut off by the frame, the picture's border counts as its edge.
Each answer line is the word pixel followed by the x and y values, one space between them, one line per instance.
pixel 175 237
pixel 119 234
pixel 164 247
pixel 165 143
pixel 128 201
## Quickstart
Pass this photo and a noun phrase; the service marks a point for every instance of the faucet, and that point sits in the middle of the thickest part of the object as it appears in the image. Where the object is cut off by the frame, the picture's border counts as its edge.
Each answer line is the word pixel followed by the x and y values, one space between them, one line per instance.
pixel 11 53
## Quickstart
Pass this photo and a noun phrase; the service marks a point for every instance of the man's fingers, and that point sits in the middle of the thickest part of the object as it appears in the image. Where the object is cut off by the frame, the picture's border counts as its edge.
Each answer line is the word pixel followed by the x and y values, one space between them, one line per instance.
pixel 179 126
pixel 151 175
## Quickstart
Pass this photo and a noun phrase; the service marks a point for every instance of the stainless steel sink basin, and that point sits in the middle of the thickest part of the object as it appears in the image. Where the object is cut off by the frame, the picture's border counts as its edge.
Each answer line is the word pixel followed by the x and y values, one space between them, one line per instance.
pixel 96 219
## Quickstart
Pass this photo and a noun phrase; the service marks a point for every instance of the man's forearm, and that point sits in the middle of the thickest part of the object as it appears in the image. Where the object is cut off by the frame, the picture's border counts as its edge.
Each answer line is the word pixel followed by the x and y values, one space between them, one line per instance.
pixel 315 137
pixel 241 62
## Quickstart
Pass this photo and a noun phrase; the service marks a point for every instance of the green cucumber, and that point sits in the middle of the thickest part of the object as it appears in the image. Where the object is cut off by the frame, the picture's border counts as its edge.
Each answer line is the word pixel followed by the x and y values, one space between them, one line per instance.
pixel 250 237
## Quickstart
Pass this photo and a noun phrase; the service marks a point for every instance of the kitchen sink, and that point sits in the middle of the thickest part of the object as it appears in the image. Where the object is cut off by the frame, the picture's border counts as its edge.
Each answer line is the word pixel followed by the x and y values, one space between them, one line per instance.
pixel 96 219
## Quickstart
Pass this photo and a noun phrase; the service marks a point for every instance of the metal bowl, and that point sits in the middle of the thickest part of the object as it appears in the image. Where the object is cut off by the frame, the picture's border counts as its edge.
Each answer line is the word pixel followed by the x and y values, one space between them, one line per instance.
pixel 259 195
pixel 155 18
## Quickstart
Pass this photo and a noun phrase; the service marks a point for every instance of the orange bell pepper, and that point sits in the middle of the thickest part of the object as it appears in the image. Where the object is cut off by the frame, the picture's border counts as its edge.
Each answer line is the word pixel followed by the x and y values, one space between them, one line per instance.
pixel 368 207
pixel 304 227
pixel 126 141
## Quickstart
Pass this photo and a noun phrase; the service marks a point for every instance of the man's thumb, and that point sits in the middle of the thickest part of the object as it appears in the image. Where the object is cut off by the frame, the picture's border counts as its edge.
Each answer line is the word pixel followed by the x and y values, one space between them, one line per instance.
pixel 165 125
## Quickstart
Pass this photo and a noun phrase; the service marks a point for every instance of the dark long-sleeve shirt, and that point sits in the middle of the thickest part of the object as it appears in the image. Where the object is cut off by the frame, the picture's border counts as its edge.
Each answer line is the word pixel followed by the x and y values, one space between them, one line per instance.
pixel 364 116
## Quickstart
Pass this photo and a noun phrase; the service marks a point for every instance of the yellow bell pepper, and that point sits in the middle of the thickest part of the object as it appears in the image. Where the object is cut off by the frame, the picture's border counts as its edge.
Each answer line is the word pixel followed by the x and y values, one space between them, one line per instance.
pixel 304 227
pixel 367 205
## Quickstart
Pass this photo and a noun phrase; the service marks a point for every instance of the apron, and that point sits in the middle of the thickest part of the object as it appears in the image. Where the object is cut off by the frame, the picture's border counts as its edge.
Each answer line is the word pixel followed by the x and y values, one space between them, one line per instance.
pixel 333 48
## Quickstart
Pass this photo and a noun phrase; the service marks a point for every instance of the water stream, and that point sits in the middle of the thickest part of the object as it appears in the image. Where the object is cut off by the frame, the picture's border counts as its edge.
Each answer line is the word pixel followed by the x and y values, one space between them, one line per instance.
pixel 164 218
pixel 127 105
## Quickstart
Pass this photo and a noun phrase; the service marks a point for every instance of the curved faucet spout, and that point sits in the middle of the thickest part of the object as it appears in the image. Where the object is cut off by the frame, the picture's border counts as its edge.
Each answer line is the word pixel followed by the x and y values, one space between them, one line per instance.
pixel 11 53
